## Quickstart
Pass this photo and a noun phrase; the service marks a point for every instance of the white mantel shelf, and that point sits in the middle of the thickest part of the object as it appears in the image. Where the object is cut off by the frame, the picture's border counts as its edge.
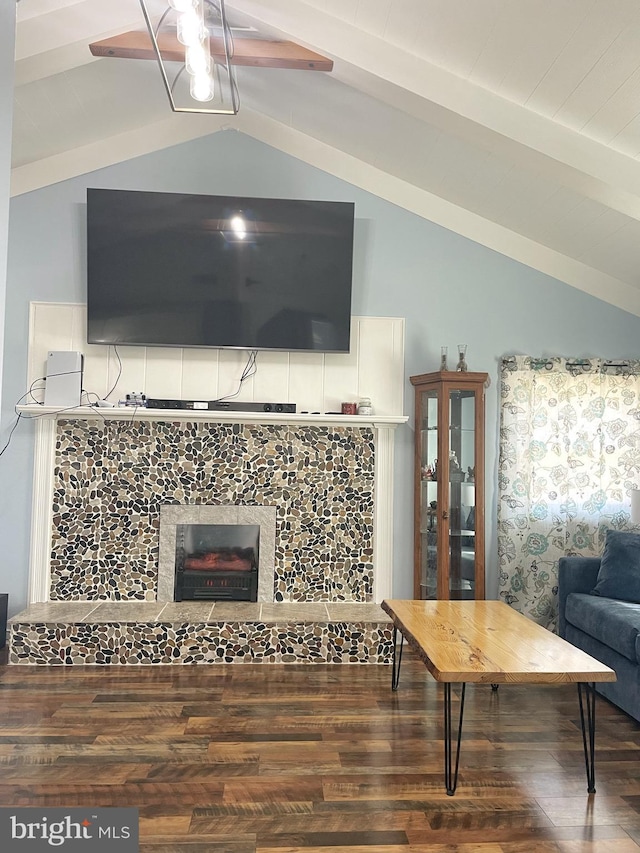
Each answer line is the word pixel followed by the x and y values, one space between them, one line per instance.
pixel 37 412
pixel 47 417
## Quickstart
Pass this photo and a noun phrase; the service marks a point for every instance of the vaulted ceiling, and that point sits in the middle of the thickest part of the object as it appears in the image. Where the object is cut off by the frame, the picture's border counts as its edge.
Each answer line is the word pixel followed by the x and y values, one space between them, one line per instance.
pixel 515 123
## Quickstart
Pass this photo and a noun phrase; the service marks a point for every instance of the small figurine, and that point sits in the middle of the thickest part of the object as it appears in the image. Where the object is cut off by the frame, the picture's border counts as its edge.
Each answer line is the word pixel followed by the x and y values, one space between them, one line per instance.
pixel 430 472
pixel 471 475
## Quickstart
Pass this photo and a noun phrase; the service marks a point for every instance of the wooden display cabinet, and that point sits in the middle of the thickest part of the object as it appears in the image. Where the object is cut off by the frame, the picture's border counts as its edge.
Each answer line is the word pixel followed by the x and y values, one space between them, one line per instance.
pixel 449 485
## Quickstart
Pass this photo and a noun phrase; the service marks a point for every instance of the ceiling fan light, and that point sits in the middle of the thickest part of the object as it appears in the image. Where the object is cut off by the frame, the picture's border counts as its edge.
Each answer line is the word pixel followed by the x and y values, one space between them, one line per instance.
pixel 198 59
pixel 190 28
pixel 201 87
pixel 193 79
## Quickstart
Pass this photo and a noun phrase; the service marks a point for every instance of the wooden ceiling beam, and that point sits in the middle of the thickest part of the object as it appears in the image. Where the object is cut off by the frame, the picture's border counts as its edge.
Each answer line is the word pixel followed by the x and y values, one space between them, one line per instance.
pixel 259 53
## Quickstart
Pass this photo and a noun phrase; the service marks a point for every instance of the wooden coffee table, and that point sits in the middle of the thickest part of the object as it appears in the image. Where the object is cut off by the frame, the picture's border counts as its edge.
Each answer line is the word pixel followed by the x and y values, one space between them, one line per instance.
pixel 489 642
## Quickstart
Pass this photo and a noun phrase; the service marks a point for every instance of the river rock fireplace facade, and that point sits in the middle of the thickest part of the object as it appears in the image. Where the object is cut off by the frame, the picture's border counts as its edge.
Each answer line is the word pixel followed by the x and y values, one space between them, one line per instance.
pixel 112 480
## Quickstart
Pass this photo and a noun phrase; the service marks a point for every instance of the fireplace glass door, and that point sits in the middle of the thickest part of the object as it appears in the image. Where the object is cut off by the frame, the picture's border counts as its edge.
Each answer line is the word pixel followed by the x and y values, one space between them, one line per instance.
pixel 217 562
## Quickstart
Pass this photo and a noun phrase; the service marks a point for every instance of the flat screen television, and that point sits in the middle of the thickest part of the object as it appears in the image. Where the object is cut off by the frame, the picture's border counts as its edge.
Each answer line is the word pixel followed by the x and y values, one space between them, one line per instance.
pixel 169 269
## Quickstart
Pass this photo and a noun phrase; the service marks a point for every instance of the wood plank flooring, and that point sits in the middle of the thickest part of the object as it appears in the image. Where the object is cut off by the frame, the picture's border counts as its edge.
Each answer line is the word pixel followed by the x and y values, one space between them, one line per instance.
pixel 319 759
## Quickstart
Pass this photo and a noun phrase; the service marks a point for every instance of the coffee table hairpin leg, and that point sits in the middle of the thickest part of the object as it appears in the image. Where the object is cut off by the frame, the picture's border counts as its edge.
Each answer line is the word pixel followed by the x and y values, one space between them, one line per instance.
pixel 450 772
pixel 590 748
pixel 397 660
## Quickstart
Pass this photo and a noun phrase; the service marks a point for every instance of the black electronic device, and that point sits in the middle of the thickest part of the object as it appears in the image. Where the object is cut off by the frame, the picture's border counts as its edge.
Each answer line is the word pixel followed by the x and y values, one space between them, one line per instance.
pixel 221 406
pixel 229 406
pixel 171 269
pixel 158 403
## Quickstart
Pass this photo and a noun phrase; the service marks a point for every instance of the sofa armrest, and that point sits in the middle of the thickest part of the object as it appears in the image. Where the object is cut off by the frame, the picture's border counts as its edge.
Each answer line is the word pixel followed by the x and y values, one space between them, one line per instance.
pixel 575 574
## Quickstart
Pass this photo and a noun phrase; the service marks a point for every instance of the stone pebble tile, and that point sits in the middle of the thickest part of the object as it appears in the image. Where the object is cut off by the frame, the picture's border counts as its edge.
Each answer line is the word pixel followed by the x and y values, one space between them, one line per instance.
pixel 227 642
pixel 111 479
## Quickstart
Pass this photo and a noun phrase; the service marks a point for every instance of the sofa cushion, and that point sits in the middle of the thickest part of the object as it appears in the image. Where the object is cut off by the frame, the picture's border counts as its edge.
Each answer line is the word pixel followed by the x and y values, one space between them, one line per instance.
pixel 614 623
pixel 619 573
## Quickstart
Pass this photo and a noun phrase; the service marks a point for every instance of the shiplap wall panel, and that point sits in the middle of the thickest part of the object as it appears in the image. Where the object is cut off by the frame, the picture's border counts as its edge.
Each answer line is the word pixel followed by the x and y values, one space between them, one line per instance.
pixel 316 382
pixel 306 381
pixel 271 380
pixel 99 373
pixel 95 378
pixel 379 353
pixel 199 374
pixel 341 373
pixel 232 364
pixel 164 372
pixel 57 321
pixel 128 374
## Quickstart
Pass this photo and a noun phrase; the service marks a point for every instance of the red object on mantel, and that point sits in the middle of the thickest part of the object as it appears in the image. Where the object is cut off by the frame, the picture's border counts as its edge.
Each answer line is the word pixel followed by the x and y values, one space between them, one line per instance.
pixel 218 561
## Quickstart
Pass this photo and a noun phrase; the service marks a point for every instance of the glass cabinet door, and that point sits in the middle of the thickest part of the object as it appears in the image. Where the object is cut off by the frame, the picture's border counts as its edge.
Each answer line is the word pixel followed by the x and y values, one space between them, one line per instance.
pixel 429 495
pixel 449 485
pixel 462 494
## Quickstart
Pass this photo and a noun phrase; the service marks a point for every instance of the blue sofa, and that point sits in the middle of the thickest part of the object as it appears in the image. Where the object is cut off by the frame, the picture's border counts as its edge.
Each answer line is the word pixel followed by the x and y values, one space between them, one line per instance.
pixel 606 628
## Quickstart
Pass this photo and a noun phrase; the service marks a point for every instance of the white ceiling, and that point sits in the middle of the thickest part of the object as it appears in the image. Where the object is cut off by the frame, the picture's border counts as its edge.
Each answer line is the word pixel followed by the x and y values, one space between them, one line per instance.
pixel 513 122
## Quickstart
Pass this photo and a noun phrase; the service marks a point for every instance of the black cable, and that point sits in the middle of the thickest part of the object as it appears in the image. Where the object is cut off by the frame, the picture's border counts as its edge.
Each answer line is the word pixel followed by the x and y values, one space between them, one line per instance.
pixel 27 393
pixel 89 395
pixel 250 369
pixel 125 423
pixel 36 417
pixel 13 429
pixel 113 387
pixel 30 391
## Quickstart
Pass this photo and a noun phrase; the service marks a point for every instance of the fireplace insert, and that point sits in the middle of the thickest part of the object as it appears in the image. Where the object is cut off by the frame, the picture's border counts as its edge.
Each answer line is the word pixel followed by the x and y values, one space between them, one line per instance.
pixel 206 569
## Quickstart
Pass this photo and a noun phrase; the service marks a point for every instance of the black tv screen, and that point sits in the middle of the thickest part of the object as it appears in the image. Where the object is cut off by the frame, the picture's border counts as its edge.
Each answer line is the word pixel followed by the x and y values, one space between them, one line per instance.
pixel 168 269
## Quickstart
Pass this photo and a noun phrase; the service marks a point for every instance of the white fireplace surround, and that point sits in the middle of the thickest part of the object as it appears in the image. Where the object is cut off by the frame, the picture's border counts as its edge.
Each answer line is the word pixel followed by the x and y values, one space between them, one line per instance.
pixel 171 515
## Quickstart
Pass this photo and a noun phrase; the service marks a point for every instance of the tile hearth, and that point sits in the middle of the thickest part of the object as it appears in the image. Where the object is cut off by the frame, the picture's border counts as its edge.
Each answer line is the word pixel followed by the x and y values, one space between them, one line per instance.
pixel 152 633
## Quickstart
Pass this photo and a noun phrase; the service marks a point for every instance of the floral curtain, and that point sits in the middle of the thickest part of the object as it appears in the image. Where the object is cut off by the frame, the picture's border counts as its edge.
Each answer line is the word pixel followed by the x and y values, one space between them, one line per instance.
pixel 569 456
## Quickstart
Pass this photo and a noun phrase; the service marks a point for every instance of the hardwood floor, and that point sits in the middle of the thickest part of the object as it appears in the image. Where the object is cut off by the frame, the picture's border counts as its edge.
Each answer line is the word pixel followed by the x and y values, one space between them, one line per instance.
pixel 276 759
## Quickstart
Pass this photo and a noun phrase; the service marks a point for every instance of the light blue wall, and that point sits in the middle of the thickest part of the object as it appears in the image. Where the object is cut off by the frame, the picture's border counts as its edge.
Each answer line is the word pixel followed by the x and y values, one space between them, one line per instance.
pixel 449 289
pixel 7 66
